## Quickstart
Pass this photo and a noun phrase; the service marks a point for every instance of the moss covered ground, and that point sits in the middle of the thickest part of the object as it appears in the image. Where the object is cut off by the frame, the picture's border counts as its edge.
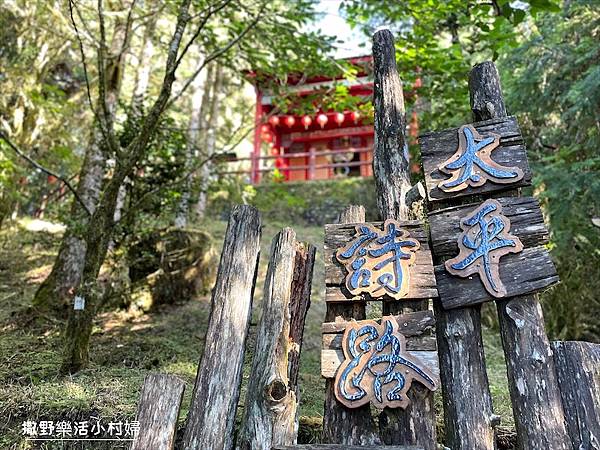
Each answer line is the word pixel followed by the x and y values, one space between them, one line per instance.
pixel 126 346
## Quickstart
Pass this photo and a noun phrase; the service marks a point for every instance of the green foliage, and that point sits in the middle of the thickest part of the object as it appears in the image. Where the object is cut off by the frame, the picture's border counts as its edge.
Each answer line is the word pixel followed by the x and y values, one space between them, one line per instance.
pixel 315 202
pixel 553 84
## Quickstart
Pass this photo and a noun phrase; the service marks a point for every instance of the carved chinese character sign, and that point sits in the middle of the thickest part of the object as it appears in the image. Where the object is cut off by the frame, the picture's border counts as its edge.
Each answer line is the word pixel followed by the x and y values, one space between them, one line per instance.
pixel 378 261
pixel 472 164
pixel 373 261
pixel 485 239
pixel 491 249
pixel 377 367
pixel 478 158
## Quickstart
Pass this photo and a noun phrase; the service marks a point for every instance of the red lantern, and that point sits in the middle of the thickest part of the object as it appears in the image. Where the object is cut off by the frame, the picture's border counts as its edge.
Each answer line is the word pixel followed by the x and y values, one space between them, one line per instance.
pixel 274 120
pixel 267 137
pixel 306 121
pixel 264 128
pixel 355 115
pixel 290 121
pixel 339 118
pixel 322 119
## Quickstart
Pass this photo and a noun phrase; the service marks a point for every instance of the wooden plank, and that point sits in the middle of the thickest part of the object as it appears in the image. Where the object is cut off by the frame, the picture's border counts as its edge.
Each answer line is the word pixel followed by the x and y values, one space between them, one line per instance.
pixel 270 415
pixel 332 359
pixel 417 328
pixel 578 370
pixel 340 424
pixel 526 222
pixel 220 369
pixel 437 147
pixel 416 424
pixel 422 280
pixel 520 273
pixel 158 411
pixel 523 273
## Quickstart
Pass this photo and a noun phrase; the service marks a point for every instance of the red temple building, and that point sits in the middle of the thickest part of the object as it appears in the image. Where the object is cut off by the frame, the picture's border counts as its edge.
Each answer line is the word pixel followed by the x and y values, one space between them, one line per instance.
pixel 319 146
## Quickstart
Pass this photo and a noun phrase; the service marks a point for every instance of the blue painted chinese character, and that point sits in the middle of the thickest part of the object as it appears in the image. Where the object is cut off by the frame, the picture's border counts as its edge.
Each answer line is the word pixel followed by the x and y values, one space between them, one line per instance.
pixel 378 261
pixel 485 239
pixel 377 367
pixel 472 164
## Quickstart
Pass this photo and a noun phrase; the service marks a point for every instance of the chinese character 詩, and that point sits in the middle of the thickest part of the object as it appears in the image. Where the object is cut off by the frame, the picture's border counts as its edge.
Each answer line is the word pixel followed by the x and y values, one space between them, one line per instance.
pixel 472 164
pixel 485 239
pixel 378 261
pixel 377 367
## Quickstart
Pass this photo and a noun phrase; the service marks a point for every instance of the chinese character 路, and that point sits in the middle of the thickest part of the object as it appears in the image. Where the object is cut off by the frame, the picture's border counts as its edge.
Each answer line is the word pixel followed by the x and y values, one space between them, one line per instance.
pixel 472 164
pixel 484 240
pixel 377 367
pixel 378 261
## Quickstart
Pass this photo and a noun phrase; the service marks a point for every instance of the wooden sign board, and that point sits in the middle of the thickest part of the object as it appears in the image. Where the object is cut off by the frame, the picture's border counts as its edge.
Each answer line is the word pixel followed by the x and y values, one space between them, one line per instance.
pixel 519 269
pixel 482 157
pixel 377 261
pixel 376 361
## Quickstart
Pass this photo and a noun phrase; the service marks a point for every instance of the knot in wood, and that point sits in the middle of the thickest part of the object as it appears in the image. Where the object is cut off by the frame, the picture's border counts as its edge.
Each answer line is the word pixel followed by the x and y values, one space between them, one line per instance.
pixel 276 390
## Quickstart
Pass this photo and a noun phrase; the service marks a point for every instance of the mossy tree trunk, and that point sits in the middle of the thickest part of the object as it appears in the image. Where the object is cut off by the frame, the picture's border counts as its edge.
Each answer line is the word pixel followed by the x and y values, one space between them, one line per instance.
pixel 98 230
pixel 58 287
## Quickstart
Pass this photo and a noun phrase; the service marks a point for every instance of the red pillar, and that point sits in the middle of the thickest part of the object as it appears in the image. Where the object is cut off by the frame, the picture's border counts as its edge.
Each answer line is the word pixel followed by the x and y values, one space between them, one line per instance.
pixel 255 162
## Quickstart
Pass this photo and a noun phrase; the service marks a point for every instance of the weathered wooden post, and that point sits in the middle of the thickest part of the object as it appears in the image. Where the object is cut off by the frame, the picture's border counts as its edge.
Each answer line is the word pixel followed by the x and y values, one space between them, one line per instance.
pixel 578 371
pixel 340 424
pixel 270 416
pixel 158 411
pixel 416 424
pixel 210 423
pixel 494 249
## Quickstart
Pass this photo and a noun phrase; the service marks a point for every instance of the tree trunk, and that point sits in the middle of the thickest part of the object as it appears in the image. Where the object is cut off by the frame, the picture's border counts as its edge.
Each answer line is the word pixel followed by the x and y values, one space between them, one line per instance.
pixel 98 230
pixel 68 266
pixel 578 370
pixel 211 420
pixel 200 100
pixel 533 385
pixel 271 412
pixel 342 425
pixel 469 418
pixel 158 411
pixel 211 142
pixel 415 424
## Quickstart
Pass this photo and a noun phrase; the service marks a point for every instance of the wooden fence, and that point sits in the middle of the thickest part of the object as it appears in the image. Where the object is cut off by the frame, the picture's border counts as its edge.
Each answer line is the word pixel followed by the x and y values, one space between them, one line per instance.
pixel 554 387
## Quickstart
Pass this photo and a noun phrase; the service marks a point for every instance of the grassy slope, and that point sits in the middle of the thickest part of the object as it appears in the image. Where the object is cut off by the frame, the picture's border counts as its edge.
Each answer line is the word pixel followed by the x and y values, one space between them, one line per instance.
pixel 125 348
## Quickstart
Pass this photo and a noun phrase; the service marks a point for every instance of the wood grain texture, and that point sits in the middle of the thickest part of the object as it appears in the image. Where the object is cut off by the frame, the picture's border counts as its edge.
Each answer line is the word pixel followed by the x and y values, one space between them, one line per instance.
pixel 438 146
pixel 533 384
pixel 342 425
pixel 158 411
pixel 270 415
pixel 526 222
pixel 210 423
pixel 390 155
pixel 416 327
pixel 469 419
pixel 422 280
pixel 415 424
pixel 521 273
pixel 578 370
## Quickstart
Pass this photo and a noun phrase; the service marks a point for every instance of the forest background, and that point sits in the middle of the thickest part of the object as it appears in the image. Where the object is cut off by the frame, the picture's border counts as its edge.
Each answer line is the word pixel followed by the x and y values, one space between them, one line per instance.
pixel 114 117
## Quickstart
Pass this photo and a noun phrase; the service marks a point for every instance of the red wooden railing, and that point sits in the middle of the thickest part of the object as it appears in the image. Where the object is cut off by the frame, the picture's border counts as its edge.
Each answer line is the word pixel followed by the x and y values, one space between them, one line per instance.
pixel 310 167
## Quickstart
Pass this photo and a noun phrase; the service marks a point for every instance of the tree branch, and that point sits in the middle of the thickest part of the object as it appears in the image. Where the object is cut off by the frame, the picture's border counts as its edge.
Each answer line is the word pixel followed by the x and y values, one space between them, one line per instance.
pixel 38 166
pixel 218 53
